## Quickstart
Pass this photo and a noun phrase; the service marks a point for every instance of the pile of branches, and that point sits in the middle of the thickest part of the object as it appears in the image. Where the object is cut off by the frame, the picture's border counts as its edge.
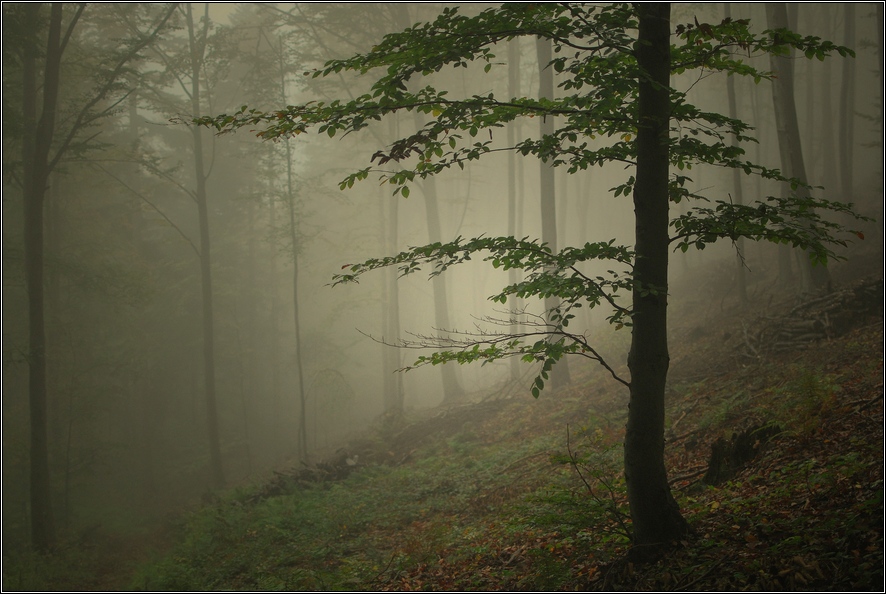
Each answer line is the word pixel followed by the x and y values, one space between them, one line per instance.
pixel 821 318
pixel 335 468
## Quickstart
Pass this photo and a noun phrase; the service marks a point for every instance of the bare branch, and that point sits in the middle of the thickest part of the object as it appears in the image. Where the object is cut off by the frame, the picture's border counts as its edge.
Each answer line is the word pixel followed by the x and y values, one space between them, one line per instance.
pixel 82 117
pixel 144 199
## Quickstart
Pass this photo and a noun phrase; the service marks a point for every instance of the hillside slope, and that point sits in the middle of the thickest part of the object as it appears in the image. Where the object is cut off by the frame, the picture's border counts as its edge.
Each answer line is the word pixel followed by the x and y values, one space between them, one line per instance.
pixel 775 449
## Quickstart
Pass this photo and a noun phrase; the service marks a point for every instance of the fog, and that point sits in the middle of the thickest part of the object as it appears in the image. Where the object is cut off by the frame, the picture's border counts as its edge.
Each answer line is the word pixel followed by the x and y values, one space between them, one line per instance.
pixel 128 435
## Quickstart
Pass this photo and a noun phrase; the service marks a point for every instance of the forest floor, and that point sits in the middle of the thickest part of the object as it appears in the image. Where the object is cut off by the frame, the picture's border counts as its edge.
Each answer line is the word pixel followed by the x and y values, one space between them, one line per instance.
pixel 774 449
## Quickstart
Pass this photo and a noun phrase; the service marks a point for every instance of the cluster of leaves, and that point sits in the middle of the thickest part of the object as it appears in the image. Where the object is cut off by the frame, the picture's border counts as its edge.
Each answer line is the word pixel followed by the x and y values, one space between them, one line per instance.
pixel 789 220
pixel 595 54
pixel 712 46
pixel 596 123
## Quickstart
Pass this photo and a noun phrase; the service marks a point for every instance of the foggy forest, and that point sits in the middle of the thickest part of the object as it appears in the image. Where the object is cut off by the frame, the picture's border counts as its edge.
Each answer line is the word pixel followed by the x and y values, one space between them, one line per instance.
pixel 398 296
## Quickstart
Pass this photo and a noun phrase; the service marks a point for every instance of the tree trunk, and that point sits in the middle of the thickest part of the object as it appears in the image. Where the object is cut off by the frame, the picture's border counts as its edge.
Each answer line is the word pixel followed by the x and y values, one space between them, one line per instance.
pixel 392 386
pixel 36 144
pixel 789 145
pixel 393 395
pixel 452 389
pixel 880 87
pixel 197 49
pixel 513 91
pixel 736 184
pixel 847 106
pixel 654 512
pixel 826 121
pixel 280 410
pixel 293 238
pixel 560 372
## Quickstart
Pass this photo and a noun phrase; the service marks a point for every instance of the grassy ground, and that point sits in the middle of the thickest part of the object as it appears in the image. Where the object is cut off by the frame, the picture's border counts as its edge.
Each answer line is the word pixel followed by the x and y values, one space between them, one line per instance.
pixel 521 494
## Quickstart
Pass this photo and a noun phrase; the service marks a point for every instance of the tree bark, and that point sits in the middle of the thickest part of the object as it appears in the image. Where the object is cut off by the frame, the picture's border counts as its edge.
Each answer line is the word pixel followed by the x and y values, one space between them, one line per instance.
pixel 847 106
pixel 826 121
pixel 293 238
pixel 789 145
pixel 560 373
pixel 880 73
pixel 452 389
pixel 393 395
pixel 513 91
pixel 36 144
pixel 736 184
pixel 197 48
pixel 654 512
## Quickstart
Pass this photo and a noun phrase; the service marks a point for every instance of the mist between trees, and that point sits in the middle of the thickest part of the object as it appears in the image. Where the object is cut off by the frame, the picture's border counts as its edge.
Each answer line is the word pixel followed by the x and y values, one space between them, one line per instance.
pixel 169 321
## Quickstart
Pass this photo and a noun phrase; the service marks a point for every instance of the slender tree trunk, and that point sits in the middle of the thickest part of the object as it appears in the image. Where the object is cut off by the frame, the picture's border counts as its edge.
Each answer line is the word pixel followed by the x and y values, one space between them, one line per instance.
pixel 452 389
pixel 560 372
pixel 826 121
pixel 880 73
pixel 584 215
pixel 736 184
pixel 513 91
pixel 197 49
pixel 764 249
pixel 393 380
pixel 847 106
pixel 36 144
pixel 654 512
pixel 281 427
pixel 293 238
pixel 393 396
pixel 810 131
pixel 789 145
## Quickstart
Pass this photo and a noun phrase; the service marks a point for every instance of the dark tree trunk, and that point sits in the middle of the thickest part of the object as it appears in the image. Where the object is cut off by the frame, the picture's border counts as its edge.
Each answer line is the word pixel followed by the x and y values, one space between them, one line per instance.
pixel 736 184
pixel 197 49
pixel 560 372
pixel 392 385
pixel 281 406
pixel 654 512
pixel 880 73
pixel 36 144
pixel 293 239
pixel 452 389
pixel 513 91
pixel 826 121
pixel 847 106
pixel 393 395
pixel 789 145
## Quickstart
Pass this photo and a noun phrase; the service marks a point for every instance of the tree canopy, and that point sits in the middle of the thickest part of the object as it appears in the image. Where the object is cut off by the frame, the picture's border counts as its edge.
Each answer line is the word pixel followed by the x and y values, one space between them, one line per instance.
pixel 596 123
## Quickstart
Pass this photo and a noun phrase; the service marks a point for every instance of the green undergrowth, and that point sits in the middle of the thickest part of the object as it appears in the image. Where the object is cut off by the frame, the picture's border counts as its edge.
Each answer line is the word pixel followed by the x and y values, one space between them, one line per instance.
pixel 533 498
pixel 529 495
